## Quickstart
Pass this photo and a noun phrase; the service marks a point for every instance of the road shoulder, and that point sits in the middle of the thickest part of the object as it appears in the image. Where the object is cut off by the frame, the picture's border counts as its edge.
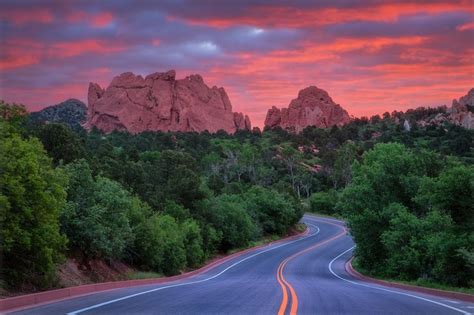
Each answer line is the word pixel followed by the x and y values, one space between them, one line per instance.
pixel 23 302
pixel 436 292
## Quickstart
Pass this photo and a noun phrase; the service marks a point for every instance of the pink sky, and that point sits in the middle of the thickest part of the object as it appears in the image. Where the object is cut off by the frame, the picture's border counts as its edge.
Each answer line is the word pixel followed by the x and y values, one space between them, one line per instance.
pixel 371 56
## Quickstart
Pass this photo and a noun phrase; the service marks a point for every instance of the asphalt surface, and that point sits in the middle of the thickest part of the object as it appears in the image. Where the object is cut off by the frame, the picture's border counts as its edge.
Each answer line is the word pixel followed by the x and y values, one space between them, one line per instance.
pixel 304 276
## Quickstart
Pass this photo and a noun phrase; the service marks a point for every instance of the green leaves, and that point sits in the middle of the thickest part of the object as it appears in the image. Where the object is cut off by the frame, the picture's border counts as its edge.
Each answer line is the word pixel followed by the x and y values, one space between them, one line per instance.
pixel 96 216
pixel 61 143
pixel 31 197
pixel 323 202
pixel 159 245
pixel 410 214
pixel 226 214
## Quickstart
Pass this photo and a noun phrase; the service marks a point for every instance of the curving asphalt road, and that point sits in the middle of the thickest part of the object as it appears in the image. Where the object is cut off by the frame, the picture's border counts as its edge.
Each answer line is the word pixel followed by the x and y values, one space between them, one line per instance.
pixel 304 276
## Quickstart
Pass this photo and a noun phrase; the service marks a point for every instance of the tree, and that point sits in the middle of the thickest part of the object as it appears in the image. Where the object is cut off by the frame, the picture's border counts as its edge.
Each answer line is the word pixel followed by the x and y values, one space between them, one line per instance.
pixel 61 143
pixel 193 243
pixel 159 244
pixel 165 172
pixel 228 217
pixel 31 197
pixel 410 214
pixel 95 218
pixel 12 112
pixel 274 212
pixel 424 247
pixel 323 202
pixel 292 159
pixel 177 211
pixel 342 173
pixel 452 192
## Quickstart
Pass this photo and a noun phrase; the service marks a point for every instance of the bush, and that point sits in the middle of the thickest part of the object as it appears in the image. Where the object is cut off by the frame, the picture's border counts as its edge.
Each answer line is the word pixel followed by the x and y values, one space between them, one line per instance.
pixel 228 217
pixel 61 143
pixel 323 202
pixel 424 248
pixel 159 244
pixel 193 243
pixel 177 211
pixel 275 213
pixel 170 175
pixel 95 218
pixel 410 216
pixel 31 198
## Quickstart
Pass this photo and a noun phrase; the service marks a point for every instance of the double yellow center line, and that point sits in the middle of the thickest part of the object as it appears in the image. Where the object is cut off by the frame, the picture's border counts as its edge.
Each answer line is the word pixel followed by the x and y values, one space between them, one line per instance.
pixel 286 286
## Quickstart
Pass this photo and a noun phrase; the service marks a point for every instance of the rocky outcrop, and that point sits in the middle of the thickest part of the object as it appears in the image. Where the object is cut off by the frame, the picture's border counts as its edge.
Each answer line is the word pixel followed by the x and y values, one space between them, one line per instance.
pixel 313 107
pixel 160 102
pixel 460 112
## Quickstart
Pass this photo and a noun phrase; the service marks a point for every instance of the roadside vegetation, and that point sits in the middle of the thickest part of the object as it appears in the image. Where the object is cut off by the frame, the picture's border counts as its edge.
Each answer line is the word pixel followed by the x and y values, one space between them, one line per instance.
pixel 164 203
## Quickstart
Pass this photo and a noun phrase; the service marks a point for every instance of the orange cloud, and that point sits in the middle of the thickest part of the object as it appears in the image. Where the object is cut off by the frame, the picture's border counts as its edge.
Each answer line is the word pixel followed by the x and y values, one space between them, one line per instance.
pixel 466 27
pixel 422 76
pixel 20 53
pixel 102 19
pixel 98 20
pixel 11 62
pixel 71 49
pixel 20 17
pixel 291 17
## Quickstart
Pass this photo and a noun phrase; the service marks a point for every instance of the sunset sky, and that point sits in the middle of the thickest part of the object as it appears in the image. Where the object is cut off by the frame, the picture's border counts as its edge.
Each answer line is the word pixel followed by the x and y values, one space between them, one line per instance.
pixel 371 56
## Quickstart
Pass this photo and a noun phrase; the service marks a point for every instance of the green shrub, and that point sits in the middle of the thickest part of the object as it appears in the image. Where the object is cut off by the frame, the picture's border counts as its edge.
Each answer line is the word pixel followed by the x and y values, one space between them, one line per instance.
pixel 95 218
pixel 227 215
pixel 323 202
pixel 159 244
pixel 274 212
pixel 31 198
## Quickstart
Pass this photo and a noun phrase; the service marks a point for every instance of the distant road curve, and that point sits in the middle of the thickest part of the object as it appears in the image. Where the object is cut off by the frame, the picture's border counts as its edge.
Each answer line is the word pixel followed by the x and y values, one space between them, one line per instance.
pixel 300 276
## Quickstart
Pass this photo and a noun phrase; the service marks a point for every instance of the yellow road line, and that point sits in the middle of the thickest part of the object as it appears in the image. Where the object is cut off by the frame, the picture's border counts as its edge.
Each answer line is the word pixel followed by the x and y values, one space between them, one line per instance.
pixel 284 283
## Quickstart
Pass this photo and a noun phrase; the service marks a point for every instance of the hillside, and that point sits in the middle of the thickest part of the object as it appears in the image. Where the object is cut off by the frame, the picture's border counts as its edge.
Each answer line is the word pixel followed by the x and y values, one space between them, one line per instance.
pixel 71 112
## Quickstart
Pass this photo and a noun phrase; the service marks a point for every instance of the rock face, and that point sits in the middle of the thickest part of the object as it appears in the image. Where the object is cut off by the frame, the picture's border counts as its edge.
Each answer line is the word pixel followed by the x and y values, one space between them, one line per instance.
pixel 313 107
pixel 160 102
pixel 460 112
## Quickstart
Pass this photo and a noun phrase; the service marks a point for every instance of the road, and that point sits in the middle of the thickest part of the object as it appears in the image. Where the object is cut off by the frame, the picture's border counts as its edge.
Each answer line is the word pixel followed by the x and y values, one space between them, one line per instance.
pixel 300 276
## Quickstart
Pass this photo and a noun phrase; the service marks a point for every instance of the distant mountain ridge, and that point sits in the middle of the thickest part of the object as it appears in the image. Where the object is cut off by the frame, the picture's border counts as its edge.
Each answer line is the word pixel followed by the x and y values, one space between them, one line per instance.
pixel 71 112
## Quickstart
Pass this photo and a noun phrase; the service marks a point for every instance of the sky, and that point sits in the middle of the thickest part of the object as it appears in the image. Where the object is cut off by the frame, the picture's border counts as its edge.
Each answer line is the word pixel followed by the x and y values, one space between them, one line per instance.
pixel 371 56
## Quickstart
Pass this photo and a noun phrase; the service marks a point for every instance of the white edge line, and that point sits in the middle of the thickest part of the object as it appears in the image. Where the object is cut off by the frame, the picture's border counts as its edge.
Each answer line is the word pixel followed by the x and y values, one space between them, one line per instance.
pixel 387 290
pixel 192 282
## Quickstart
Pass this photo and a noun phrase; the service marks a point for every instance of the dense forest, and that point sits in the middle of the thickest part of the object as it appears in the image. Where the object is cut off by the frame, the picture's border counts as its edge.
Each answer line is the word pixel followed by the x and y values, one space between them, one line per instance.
pixel 167 202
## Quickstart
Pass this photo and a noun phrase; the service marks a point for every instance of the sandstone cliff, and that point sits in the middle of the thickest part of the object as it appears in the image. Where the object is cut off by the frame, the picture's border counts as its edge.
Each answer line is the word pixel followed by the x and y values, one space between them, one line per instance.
pixel 461 113
pixel 312 107
pixel 160 102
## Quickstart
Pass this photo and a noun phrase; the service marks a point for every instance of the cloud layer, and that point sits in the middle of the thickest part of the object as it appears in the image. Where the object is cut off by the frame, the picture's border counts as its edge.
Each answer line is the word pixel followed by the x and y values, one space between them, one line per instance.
pixel 371 56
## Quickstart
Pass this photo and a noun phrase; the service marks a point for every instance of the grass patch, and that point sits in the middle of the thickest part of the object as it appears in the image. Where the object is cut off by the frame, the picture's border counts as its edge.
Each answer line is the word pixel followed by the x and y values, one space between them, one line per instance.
pixel 300 227
pixel 332 216
pixel 419 283
pixel 137 275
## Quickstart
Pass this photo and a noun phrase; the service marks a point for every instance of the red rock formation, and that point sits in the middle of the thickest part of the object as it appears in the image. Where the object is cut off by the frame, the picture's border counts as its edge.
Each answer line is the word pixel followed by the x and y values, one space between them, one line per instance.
pixel 313 107
pixel 160 102
pixel 459 112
